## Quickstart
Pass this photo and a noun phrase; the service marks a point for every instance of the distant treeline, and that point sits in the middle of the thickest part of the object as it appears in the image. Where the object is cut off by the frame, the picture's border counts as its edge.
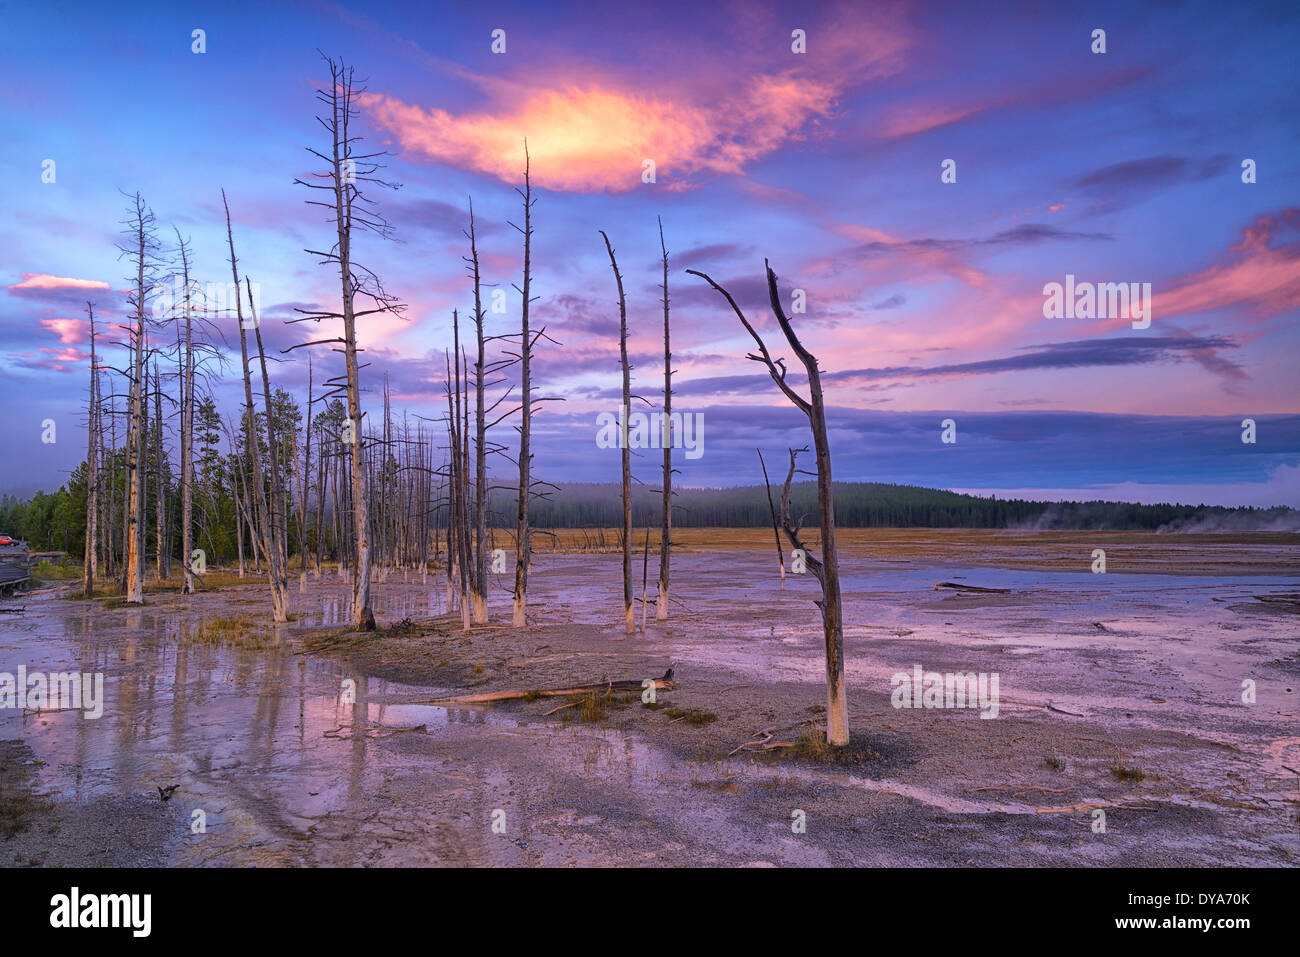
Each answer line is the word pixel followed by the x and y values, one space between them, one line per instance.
pixel 879 505
pixel 57 520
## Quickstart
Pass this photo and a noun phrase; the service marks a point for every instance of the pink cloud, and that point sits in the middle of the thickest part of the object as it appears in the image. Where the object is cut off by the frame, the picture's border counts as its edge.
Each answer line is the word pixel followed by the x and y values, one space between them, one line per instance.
pixel 33 281
pixel 591 139
pixel 70 331
pixel 923 260
pixel 917 118
pixel 1253 272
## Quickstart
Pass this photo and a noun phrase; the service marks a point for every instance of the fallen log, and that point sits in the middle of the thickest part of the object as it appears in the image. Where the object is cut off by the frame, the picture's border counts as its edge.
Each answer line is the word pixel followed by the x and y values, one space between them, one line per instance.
pixel 959 587
pixel 630 684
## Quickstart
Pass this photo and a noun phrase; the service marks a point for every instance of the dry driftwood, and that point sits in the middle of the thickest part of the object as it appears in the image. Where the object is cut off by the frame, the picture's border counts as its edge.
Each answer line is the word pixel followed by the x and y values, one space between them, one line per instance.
pixel 629 684
pixel 959 587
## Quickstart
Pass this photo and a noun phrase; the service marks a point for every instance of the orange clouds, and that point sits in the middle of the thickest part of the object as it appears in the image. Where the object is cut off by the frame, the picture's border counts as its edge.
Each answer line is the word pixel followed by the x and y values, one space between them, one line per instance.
pixel 588 134
pixel 580 140
pixel 592 139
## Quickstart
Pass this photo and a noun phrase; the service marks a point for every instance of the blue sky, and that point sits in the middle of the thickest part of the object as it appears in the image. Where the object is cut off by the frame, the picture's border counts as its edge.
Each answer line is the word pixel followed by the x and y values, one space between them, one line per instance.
pixel 924 297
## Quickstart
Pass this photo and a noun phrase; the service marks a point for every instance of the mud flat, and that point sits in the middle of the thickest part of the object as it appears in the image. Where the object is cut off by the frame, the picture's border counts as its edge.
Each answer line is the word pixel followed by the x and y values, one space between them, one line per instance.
pixel 306 744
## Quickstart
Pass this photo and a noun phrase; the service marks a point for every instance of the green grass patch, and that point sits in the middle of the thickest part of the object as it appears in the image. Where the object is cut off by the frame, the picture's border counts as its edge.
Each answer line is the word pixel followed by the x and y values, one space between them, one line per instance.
pixel 1126 772
pixel 692 716
pixel 236 631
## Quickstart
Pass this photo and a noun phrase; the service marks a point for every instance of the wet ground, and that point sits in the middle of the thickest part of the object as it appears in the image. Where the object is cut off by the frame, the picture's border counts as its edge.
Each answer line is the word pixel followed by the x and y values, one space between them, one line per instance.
pixel 1119 692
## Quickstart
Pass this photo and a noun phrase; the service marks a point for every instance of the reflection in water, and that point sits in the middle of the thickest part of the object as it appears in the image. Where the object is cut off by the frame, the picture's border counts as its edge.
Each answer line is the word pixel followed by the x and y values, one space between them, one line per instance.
pixel 292 765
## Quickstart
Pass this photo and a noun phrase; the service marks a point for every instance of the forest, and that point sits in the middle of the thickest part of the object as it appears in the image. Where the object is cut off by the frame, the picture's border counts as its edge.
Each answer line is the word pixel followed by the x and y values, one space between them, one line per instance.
pixel 55 521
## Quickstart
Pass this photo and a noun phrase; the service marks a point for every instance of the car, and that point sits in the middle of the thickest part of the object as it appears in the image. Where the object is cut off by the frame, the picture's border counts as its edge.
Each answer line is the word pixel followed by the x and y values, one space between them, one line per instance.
pixel 7 540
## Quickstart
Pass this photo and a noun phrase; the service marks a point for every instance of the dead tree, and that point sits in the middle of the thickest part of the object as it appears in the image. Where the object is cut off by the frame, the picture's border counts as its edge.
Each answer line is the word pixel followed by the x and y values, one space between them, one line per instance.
pixel 477 570
pixel 304 481
pixel 826 571
pixel 264 512
pixel 92 463
pixel 458 510
pixel 187 425
pixel 277 540
pixel 776 529
pixel 161 555
pixel 523 545
pixel 666 439
pixel 351 212
pixel 143 249
pixel 623 441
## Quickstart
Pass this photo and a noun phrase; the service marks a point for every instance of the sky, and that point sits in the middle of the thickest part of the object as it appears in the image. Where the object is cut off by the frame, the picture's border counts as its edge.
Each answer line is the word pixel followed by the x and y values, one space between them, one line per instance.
pixel 924 299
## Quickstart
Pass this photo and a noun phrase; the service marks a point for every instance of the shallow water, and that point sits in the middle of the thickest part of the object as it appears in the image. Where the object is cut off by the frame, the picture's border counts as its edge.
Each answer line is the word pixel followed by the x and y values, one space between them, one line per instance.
pixel 287 770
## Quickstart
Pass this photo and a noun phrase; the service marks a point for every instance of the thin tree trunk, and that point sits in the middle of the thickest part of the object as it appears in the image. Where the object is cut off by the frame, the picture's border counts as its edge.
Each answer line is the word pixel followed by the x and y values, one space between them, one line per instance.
pixel 303 480
pixel 265 519
pixel 160 481
pixel 277 549
pixel 92 464
pixel 667 438
pixel 523 544
pixel 645 577
pixel 776 531
pixel 827 570
pixel 187 434
pixel 478 580
pixel 629 617
pixel 135 436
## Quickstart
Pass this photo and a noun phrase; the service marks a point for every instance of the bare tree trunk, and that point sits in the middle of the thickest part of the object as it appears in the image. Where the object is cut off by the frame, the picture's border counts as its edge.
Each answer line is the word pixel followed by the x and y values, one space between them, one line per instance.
pixel 92 464
pixel 135 432
pixel 160 482
pixel 460 463
pixel 827 570
pixel 645 577
pixel 277 547
pixel 780 555
pixel 346 169
pixel 666 439
pixel 304 487
pixel 478 580
pixel 265 517
pixel 239 522
pixel 523 544
pixel 187 432
pixel 630 619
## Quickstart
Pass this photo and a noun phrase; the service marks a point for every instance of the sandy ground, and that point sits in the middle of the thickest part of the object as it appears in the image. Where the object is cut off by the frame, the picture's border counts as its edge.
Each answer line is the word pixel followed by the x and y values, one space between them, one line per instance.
pixel 1119 692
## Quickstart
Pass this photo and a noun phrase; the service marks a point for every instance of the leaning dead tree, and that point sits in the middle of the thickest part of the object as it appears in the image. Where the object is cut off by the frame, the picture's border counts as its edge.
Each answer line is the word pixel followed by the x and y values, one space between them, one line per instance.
pixel 826 570
pixel 264 510
pixel 350 212
pixel 776 529
pixel 667 439
pixel 623 441
pixel 278 539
